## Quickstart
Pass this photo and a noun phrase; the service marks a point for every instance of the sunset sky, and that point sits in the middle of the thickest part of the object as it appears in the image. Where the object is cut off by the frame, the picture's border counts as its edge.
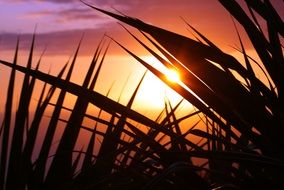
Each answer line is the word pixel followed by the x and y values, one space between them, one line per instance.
pixel 61 23
pixel 64 21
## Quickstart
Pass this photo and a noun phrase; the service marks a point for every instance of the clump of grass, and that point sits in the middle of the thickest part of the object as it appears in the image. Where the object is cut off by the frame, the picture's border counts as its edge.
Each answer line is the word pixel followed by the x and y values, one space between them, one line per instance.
pixel 251 108
pixel 242 122
pixel 133 148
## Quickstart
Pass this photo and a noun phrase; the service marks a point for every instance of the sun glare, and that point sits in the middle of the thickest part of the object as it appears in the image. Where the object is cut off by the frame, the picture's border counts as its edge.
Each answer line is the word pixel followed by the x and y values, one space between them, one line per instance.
pixel 153 91
pixel 172 75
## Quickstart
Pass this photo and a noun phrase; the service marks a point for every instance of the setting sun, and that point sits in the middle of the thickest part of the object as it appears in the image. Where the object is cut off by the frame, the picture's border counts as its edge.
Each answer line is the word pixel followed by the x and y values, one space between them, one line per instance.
pixel 172 75
pixel 153 91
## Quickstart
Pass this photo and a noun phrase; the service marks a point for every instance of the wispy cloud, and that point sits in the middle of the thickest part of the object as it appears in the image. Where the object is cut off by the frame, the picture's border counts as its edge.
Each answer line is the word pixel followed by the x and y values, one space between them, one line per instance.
pixel 64 42
pixel 59 42
pixel 96 2
pixel 70 14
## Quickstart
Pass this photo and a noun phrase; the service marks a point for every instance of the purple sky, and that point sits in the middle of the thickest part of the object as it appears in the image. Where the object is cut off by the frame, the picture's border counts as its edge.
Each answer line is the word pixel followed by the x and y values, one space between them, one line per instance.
pixel 61 23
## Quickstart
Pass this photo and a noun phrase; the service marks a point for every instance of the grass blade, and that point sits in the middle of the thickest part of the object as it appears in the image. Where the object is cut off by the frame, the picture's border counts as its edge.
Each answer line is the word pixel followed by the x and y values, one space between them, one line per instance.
pixel 7 121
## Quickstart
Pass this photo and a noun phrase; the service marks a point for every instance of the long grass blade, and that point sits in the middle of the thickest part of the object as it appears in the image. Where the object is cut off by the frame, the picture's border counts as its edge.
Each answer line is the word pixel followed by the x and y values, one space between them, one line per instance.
pixel 15 170
pixel 7 121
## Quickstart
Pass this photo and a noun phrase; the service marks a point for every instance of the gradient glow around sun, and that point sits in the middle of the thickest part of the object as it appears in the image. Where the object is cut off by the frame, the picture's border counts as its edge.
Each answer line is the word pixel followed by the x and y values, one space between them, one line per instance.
pixel 153 91
pixel 172 75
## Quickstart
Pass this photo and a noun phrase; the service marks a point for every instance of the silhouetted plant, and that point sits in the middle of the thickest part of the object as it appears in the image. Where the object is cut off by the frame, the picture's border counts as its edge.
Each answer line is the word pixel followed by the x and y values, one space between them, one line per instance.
pixel 251 108
pixel 243 121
